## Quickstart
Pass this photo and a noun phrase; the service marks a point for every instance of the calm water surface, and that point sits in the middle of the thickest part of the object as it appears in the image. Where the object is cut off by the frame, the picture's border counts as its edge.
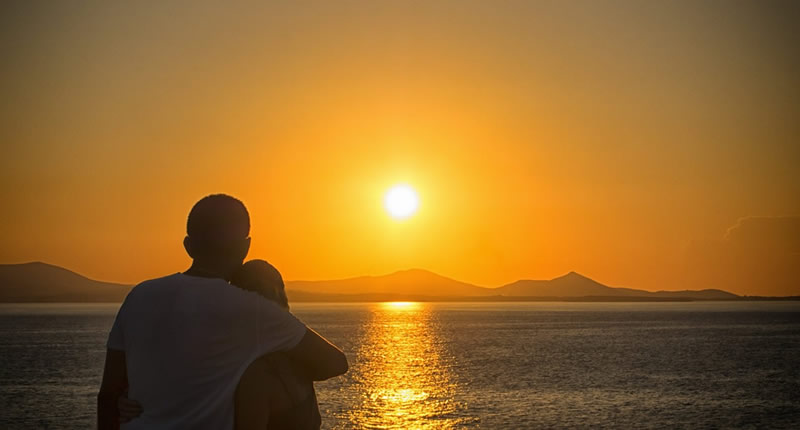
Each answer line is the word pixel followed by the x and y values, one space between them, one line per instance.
pixel 490 365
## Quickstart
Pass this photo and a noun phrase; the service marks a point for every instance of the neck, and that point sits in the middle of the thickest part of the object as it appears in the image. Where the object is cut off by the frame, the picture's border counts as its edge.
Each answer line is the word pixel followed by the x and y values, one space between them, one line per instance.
pixel 205 271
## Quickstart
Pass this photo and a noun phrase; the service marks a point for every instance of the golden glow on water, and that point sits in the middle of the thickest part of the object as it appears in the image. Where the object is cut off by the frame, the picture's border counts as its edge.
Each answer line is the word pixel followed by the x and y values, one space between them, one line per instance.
pixel 401 305
pixel 405 378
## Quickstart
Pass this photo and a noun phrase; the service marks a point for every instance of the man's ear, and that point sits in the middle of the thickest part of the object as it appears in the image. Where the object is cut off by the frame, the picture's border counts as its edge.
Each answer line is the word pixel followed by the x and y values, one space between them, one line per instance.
pixel 245 248
pixel 187 245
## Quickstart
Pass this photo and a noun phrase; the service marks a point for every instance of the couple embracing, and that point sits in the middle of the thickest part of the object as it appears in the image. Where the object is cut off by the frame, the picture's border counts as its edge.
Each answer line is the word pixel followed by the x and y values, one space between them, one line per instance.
pixel 214 347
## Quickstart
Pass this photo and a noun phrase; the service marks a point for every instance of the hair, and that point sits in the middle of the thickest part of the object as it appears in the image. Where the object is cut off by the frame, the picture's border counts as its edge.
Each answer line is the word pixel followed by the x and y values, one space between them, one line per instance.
pixel 263 278
pixel 216 221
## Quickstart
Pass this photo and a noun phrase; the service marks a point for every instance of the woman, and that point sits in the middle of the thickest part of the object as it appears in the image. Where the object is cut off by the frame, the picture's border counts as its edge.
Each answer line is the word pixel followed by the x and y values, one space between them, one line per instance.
pixel 274 392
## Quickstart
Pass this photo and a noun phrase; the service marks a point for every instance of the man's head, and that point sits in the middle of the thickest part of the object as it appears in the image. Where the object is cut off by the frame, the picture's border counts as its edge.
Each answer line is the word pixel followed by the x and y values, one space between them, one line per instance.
pixel 217 233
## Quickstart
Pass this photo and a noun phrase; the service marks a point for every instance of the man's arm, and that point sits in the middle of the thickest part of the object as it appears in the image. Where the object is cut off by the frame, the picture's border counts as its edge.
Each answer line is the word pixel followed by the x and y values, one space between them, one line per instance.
pixel 115 381
pixel 318 357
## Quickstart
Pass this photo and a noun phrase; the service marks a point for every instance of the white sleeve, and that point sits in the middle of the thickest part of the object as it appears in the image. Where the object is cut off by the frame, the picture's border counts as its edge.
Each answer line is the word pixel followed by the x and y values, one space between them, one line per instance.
pixel 277 329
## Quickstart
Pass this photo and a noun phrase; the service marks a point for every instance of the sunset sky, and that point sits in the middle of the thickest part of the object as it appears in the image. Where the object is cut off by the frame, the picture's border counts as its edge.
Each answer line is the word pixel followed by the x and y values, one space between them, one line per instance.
pixel 646 144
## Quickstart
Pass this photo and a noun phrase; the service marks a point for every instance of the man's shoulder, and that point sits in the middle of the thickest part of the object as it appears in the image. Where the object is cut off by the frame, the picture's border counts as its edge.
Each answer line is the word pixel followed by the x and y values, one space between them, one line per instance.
pixel 187 285
pixel 180 279
pixel 168 278
pixel 170 284
pixel 157 282
pixel 200 291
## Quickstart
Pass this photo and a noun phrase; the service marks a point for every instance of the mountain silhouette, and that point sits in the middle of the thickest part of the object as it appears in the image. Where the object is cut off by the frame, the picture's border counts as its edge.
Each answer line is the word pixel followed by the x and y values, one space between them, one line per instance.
pixel 408 282
pixel 419 284
pixel 576 285
pixel 708 294
pixel 570 285
pixel 41 282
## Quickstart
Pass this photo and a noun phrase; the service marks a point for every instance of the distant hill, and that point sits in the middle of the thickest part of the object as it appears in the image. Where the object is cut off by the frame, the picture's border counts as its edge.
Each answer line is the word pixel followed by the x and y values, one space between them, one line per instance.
pixel 576 285
pixel 40 282
pixel 570 285
pixel 424 285
pixel 709 294
pixel 414 282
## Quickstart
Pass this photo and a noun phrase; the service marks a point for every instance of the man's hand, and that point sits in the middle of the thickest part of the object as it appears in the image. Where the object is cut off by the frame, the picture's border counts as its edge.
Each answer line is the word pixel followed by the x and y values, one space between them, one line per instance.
pixel 115 382
pixel 128 408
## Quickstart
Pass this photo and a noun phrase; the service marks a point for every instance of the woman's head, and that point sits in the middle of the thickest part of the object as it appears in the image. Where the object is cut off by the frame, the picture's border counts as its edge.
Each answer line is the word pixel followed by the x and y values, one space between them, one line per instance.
pixel 262 278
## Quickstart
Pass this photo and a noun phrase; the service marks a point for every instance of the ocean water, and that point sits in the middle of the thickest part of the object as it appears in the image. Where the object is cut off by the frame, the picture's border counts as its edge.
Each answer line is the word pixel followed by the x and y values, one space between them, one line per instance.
pixel 489 365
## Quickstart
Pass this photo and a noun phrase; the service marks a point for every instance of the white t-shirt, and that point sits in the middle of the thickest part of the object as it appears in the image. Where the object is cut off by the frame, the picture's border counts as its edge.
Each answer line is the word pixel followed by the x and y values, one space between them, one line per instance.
pixel 187 341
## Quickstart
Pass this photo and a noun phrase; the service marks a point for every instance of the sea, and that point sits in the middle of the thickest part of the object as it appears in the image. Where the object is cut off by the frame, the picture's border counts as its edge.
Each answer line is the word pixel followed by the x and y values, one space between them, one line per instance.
pixel 471 365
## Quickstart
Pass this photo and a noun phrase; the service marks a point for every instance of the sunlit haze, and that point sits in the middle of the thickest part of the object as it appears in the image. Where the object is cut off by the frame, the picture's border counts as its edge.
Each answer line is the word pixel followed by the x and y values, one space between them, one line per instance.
pixel 644 144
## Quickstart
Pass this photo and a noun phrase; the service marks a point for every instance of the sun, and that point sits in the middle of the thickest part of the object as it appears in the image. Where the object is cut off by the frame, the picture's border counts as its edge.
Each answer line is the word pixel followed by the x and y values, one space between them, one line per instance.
pixel 401 201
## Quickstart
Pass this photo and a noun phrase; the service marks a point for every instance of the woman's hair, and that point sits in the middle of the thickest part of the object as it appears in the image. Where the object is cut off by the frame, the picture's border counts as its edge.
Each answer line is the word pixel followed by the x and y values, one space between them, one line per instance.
pixel 262 278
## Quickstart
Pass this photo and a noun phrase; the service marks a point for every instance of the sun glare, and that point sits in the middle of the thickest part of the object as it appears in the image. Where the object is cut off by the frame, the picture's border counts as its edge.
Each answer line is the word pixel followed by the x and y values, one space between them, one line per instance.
pixel 401 201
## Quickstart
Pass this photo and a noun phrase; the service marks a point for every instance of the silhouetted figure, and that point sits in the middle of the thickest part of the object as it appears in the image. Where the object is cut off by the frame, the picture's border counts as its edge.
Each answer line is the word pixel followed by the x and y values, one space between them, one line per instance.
pixel 180 343
pixel 273 393
pixel 263 278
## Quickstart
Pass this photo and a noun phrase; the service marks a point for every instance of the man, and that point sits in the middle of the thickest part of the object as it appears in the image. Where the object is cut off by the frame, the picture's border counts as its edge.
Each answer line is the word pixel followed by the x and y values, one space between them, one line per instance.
pixel 180 343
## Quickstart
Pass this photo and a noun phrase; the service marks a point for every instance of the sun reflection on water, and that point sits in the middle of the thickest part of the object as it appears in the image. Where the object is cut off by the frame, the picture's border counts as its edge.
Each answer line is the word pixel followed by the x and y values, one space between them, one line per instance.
pixel 405 376
pixel 400 305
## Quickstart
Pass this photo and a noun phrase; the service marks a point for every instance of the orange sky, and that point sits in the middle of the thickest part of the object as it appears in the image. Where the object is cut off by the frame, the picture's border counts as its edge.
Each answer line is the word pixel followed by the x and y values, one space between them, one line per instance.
pixel 622 140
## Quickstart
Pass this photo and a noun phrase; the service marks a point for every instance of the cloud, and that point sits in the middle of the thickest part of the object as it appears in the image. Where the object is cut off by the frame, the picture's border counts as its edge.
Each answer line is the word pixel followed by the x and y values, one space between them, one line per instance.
pixel 770 234
pixel 759 255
